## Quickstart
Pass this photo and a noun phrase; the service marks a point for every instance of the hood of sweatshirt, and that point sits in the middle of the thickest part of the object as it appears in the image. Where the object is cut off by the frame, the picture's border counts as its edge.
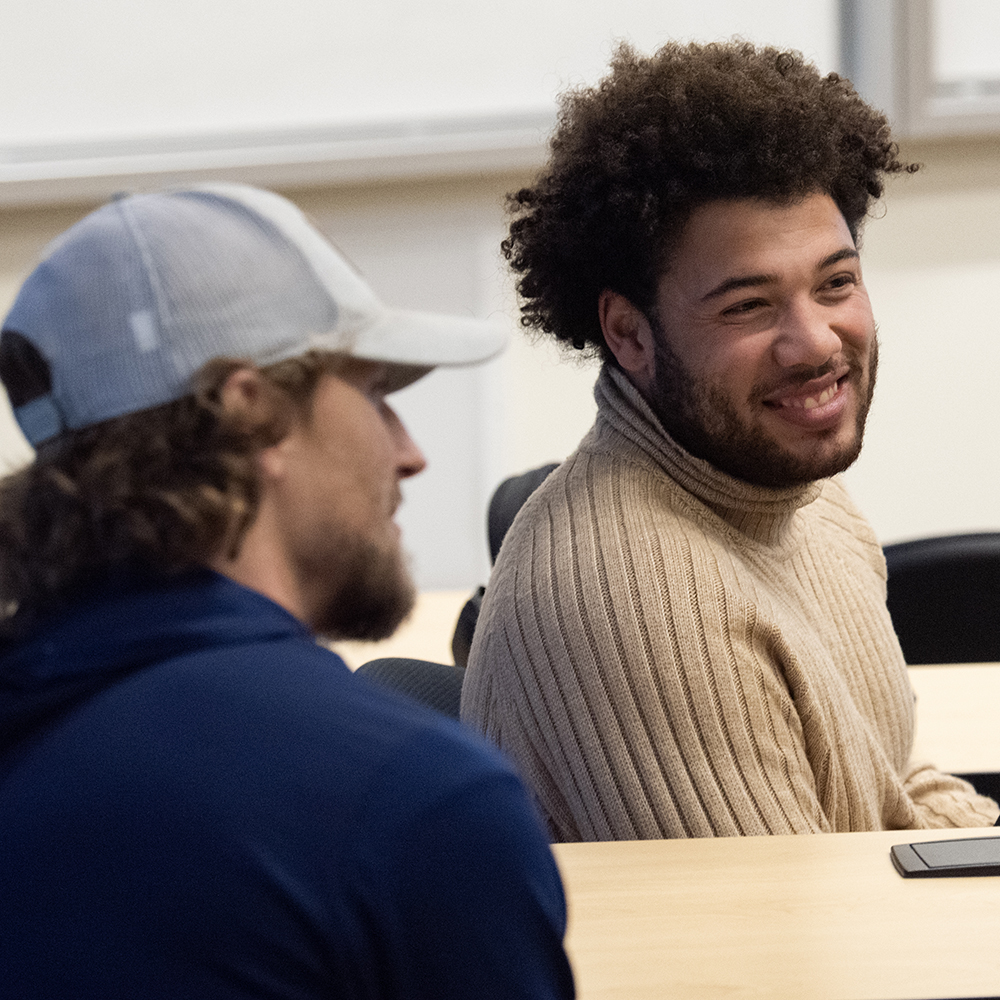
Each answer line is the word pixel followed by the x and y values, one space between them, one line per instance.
pixel 124 624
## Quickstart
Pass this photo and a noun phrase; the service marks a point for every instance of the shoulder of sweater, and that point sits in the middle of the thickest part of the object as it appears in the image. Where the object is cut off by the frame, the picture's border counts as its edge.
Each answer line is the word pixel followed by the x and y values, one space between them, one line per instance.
pixel 836 504
pixel 595 477
pixel 596 486
pixel 593 474
pixel 836 507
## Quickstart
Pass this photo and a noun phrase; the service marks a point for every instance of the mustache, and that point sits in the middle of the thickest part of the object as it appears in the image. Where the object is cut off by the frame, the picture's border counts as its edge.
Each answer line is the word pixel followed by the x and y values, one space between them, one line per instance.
pixel 850 363
pixel 800 376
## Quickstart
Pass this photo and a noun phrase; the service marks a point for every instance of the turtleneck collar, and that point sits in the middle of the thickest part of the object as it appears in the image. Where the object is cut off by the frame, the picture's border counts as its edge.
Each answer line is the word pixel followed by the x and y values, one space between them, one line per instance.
pixel 760 512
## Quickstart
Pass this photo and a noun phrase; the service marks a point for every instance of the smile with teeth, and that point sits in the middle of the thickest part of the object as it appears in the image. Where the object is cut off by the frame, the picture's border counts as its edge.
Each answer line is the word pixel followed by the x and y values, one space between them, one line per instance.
pixel 800 401
pixel 811 402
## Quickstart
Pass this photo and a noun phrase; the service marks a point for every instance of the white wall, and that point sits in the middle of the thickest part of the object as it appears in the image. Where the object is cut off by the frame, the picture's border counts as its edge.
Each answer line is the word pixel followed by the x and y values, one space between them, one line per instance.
pixel 965 39
pixel 87 69
pixel 91 71
pixel 932 264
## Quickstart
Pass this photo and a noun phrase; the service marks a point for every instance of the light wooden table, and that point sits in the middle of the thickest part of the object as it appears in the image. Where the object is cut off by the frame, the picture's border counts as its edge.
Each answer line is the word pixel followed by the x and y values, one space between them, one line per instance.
pixel 958 716
pixel 958 705
pixel 808 917
pixel 958 723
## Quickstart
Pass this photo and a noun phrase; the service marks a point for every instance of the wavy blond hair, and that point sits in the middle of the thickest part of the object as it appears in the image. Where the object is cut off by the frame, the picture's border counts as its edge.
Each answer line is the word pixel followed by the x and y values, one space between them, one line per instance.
pixel 163 489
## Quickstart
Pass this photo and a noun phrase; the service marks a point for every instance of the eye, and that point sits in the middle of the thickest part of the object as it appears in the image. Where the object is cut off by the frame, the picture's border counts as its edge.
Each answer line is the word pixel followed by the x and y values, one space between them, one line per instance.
pixel 841 281
pixel 376 396
pixel 744 308
pixel 376 384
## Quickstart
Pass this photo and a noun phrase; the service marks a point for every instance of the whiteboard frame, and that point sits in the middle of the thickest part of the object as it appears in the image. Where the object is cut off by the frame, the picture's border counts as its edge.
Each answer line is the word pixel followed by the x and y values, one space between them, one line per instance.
pixel 285 158
pixel 887 51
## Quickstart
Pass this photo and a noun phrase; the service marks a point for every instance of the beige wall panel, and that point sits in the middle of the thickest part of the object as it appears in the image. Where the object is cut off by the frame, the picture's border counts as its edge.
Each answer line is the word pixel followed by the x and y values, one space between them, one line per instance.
pixel 932 264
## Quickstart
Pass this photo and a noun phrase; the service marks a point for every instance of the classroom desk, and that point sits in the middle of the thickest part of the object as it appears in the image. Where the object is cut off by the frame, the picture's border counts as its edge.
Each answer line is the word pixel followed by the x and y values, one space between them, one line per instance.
pixel 958 723
pixel 807 917
pixel 958 716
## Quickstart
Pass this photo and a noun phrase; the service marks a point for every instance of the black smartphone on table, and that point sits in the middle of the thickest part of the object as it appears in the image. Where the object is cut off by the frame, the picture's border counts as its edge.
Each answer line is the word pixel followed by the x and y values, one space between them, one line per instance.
pixel 944 858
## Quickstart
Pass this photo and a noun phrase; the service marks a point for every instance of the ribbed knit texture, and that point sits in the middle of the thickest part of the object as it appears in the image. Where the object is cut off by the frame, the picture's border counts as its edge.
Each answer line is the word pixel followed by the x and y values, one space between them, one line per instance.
pixel 666 651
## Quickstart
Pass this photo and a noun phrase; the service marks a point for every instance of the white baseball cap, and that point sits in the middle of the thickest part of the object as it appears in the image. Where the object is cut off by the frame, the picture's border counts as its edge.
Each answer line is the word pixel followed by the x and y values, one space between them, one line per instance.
pixel 128 304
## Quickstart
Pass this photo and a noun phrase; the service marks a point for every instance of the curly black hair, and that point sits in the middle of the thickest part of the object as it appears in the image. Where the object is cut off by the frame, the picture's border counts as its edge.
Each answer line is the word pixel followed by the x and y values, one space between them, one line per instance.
pixel 659 136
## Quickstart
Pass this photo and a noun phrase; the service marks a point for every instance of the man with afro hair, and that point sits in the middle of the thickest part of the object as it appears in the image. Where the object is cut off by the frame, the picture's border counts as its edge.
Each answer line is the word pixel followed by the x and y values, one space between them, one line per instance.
pixel 686 633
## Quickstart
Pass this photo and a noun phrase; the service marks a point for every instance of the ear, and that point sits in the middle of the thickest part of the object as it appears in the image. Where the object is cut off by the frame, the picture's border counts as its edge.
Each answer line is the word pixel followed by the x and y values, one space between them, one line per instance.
pixel 629 336
pixel 248 400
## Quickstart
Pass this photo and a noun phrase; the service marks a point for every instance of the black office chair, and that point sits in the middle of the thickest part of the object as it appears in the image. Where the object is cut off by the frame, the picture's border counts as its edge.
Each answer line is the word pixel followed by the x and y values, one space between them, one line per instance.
pixel 944 599
pixel 436 685
pixel 508 498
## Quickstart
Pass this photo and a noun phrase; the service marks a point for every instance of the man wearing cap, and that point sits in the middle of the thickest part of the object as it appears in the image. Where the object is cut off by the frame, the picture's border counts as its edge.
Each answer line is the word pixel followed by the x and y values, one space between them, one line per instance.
pixel 197 799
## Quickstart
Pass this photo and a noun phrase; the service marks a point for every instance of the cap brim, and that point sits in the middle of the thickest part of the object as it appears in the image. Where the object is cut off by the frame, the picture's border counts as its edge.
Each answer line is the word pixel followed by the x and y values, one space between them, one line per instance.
pixel 426 340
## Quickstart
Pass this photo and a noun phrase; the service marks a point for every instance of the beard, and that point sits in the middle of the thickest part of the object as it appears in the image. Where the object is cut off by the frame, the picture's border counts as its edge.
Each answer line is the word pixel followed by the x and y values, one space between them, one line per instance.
pixel 701 417
pixel 370 592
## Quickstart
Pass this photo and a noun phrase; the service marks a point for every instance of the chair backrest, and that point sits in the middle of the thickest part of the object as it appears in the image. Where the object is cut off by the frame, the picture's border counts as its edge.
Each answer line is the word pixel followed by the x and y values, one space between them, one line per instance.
pixel 508 498
pixel 436 685
pixel 465 627
pixel 944 597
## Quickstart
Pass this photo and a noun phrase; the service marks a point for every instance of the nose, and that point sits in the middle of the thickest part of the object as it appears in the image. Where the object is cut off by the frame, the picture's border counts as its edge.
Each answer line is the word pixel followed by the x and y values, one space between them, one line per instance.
pixel 806 336
pixel 409 458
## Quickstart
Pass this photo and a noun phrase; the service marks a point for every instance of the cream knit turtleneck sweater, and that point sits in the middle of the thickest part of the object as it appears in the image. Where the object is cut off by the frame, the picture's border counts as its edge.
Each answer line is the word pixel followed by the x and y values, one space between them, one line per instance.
pixel 666 651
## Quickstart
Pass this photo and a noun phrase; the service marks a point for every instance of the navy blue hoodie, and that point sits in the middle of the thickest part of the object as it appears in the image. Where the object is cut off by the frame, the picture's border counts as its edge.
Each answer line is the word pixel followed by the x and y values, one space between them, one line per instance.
pixel 197 800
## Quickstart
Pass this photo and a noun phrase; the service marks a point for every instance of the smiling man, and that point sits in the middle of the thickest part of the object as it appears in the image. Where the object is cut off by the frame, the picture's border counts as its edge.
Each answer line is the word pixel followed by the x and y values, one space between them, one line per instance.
pixel 196 798
pixel 685 633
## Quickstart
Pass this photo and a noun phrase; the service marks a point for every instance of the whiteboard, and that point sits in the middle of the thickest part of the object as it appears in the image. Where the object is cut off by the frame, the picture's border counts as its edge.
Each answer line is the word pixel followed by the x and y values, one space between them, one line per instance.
pixel 965 40
pixel 98 87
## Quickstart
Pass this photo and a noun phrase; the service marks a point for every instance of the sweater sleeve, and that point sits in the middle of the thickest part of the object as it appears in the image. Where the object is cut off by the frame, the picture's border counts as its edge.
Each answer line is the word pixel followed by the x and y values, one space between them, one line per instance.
pixel 646 710
pixel 943 801
pixel 640 696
